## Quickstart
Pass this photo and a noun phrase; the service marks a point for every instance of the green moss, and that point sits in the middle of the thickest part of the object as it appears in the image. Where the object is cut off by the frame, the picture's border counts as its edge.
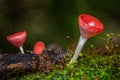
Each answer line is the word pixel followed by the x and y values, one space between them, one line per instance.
pixel 96 63
pixel 86 68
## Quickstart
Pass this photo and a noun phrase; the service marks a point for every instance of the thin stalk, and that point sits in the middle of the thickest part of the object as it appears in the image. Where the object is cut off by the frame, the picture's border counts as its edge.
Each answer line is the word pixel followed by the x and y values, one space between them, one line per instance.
pixel 21 49
pixel 81 42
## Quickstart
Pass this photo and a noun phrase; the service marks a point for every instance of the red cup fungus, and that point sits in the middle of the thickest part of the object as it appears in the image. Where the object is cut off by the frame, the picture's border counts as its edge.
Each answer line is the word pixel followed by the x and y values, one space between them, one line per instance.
pixel 89 26
pixel 17 39
pixel 39 48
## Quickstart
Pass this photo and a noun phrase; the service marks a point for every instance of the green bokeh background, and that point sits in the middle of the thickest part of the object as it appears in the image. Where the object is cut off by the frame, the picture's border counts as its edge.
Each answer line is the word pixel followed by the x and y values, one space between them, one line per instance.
pixel 50 21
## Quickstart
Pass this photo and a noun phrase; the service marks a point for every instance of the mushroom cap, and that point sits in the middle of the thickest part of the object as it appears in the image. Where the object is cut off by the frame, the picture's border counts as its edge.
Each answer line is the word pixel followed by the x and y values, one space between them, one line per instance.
pixel 39 48
pixel 89 26
pixel 17 39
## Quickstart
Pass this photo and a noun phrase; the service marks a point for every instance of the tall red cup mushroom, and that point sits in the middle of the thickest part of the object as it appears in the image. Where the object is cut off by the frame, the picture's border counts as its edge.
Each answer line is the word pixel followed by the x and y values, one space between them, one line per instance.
pixel 89 26
pixel 39 48
pixel 17 39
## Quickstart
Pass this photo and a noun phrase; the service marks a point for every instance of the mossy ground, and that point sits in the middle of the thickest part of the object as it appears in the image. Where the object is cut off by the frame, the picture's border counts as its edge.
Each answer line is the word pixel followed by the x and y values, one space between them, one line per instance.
pixel 95 63
pixel 86 68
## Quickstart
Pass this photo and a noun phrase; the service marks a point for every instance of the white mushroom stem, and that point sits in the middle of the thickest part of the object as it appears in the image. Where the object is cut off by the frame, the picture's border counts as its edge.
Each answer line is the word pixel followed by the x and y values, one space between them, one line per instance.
pixel 21 49
pixel 81 42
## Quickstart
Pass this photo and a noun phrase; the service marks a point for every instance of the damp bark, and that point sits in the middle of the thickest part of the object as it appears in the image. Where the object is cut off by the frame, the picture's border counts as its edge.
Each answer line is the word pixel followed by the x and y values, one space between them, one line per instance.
pixel 29 62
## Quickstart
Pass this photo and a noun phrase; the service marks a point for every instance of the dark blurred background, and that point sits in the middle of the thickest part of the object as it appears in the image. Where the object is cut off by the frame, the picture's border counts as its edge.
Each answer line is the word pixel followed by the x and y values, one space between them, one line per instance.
pixel 52 21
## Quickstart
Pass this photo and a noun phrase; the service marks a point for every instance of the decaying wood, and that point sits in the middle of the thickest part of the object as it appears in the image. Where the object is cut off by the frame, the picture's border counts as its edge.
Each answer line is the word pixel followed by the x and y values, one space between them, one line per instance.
pixel 18 62
pixel 29 62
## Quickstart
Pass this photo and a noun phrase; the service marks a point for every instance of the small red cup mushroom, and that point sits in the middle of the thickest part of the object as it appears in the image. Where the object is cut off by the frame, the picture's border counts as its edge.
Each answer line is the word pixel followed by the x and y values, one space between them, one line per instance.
pixel 39 48
pixel 17 39
pixel 89 26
